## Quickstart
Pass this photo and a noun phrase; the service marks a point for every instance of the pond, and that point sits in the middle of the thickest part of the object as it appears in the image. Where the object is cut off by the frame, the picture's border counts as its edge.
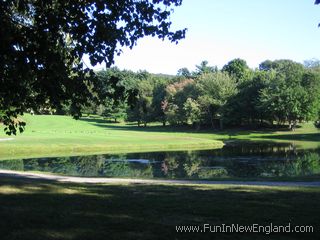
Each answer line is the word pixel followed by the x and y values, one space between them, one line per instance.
pixel 234 160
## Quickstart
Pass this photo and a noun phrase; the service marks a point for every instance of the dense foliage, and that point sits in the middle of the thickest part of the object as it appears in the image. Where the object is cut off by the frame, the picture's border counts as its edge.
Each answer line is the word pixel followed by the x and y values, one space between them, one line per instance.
pixel 42 44
pixel 280 92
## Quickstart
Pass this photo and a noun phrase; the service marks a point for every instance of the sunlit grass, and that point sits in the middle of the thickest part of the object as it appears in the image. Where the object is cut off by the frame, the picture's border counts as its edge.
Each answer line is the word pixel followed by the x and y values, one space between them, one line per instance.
pixel 48 135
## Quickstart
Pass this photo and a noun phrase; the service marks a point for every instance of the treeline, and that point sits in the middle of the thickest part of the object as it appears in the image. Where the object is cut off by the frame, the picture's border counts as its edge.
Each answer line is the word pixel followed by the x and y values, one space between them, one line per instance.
pixel 281 92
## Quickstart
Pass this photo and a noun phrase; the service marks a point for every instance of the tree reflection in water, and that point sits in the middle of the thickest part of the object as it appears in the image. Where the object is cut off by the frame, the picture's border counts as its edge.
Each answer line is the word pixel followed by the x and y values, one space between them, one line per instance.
pixel 240 160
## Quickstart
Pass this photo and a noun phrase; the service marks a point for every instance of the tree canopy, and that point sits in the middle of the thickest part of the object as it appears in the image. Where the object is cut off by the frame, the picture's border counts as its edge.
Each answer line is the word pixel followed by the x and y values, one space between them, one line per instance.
pixel 237 68
pixel 281 92
pixel 43 44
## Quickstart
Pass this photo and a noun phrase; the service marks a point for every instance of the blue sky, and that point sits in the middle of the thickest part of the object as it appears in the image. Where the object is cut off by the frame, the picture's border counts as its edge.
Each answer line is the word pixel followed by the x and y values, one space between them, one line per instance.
pixel 221 30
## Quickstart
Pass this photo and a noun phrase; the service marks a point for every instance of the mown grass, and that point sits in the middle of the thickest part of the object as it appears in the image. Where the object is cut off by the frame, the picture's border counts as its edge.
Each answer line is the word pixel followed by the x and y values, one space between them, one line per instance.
pixel 48 135
pixel 36 209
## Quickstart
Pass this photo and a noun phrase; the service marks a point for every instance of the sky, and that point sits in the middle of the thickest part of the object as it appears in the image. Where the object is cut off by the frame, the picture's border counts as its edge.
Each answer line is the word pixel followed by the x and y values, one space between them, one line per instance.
pixel 222 30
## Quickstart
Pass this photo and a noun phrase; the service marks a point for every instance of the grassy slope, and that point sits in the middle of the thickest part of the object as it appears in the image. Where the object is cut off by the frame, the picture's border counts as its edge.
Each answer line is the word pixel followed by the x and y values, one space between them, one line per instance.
pixel 47 135
pixel 35 209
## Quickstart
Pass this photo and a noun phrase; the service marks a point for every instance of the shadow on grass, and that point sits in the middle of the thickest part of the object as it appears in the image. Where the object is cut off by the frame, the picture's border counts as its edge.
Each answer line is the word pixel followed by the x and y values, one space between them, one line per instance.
pixel 175 129
pixel 298 137
pixel 133 127
pixel 50 210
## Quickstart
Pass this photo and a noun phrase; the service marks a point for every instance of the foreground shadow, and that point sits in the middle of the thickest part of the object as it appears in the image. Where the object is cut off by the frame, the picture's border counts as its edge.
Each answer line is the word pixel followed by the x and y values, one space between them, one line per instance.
pixel 34 209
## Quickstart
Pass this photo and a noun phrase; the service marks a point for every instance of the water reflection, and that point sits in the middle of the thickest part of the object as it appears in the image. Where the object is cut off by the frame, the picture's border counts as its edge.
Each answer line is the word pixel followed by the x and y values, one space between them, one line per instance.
pixel 236 159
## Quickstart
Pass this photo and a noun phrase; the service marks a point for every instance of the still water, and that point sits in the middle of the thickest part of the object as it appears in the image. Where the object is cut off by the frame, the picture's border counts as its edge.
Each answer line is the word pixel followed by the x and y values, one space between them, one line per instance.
pixel 234 160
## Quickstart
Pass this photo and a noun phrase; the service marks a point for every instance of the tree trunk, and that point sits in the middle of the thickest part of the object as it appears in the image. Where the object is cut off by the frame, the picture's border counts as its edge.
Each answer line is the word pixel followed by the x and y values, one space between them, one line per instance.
pixel 292 125
pixel 211 120
pixel 221 124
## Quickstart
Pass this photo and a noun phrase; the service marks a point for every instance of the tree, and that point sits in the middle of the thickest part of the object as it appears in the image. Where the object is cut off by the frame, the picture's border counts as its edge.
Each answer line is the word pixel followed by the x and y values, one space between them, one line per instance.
pixel 115 110
pixel 205 68
pixel 184 72
pixel 236 68
pixel 242 108
pixel 265 65
pixel 281 65
pixel 159 103
pixel 43 44
pixel 218 87
pixel 176 96
pixel 283 103
pixel 110 85
pixel 193 112
pixel 292 95
pixel 208 109
pixel 311 84
pixel 142 109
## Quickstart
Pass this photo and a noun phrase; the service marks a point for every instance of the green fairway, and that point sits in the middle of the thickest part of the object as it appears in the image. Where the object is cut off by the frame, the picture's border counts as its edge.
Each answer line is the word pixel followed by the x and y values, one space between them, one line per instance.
pixel 37 209
pixel 49 135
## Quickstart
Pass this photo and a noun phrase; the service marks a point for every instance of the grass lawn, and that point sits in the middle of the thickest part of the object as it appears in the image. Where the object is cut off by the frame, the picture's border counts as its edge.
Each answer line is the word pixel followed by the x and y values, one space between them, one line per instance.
pixel 35 209
pixel 48 135
pixel 38 209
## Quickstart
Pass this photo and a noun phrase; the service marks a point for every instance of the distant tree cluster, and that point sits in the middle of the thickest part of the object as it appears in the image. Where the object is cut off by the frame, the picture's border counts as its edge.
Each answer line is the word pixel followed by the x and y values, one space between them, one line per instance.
pixel 280 92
